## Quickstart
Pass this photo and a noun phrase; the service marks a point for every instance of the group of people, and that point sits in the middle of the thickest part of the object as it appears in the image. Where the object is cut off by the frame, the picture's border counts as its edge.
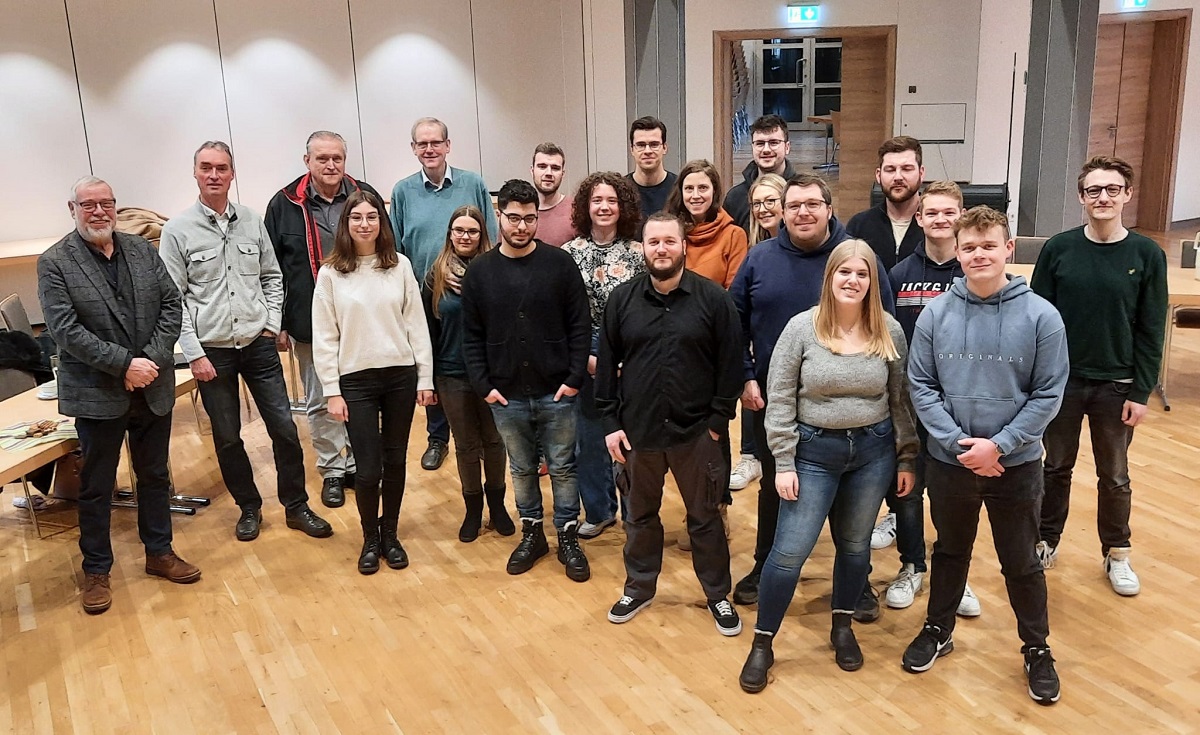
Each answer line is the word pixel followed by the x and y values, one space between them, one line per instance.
pixel 608 337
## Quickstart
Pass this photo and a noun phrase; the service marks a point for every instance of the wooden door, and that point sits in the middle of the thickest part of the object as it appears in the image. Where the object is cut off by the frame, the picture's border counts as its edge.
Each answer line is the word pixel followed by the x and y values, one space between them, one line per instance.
pixel 866 100
pixel 1120 93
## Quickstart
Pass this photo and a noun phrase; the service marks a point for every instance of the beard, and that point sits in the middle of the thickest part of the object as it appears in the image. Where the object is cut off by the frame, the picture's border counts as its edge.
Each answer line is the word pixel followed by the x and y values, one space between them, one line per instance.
pixel 667 273
pixel 517 245
pixel 97 235
pixel 547 189
pixel 908 193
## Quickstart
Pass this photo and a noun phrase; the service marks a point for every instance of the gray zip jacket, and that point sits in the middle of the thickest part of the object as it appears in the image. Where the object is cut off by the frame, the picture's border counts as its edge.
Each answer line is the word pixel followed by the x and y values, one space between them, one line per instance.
pixel 231 283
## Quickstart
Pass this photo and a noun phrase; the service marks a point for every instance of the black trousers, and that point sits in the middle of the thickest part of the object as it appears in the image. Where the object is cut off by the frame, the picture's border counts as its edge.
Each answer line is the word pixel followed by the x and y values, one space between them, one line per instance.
pixel 702 474
pixel 149 446
pixel 381 403
pixel 1014 502
pixel 476 440
pixel 768 497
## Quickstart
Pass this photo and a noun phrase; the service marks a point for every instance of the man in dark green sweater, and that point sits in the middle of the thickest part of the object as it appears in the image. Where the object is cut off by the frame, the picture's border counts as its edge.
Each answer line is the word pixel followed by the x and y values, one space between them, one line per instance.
pixel 1110 285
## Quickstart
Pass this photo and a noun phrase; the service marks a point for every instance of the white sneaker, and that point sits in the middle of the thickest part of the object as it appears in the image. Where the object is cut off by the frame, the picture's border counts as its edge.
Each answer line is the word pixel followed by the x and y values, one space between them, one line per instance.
pixel 1046 554
pixel 884 533
pixel 904 587
pixel 748 470
pixel 968 606
pixel 1120 575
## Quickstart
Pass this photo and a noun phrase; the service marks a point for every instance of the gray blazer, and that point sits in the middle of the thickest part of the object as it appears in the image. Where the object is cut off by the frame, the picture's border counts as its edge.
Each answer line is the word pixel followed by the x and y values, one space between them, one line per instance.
pixel 77 302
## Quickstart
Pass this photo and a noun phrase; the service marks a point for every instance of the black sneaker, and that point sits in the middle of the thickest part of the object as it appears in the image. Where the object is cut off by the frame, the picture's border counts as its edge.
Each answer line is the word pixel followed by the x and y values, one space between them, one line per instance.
pixel 247 525
pixel 931 642
pixel 303 519
pixel 626 608
pixel 746 590
pixel 532 547
pixel 571 555
pixel 333 493
pixel 866 610
pixel 728 622
pixel 1043 679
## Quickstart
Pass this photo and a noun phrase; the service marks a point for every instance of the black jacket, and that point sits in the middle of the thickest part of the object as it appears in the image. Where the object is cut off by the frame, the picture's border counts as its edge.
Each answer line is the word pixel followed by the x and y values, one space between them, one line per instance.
pixel 874 226
pixel 298 249
pixel 737 200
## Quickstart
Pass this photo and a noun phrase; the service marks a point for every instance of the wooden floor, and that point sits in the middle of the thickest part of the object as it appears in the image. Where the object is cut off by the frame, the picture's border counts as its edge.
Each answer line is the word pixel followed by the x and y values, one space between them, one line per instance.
pixel 283 635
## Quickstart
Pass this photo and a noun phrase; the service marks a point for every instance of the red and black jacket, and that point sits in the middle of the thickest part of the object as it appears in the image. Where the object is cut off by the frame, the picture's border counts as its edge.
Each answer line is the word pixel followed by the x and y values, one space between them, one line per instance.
pixel 297 243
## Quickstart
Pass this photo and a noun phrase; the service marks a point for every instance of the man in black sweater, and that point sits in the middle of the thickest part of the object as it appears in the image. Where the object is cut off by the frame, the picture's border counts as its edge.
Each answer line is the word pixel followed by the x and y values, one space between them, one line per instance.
pixel 527 334
pixel 667 385
pixel 891 228
pixel 770 148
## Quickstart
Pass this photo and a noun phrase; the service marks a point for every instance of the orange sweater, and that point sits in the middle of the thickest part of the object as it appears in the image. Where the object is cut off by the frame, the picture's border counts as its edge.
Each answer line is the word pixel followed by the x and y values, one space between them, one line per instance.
pixel 716 249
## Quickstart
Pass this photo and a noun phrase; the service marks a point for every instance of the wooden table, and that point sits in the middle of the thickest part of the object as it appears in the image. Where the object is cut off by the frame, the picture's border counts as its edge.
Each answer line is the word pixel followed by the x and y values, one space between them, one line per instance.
pixel 1183 291
pixel 27 406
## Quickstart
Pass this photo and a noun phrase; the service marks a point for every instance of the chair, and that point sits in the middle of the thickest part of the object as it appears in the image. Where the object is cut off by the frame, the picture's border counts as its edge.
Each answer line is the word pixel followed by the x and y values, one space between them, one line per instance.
pixel 12 311
pixel 1028 249
pixel 1179 316
pixel 836 128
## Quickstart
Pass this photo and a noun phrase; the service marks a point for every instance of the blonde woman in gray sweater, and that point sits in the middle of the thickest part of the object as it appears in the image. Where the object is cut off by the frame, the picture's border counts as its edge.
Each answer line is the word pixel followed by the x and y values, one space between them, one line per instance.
pixel 840 427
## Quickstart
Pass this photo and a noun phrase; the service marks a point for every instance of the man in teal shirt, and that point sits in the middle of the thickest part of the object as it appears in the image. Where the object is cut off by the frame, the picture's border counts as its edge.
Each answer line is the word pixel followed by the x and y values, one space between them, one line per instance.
pixel 420 214
pixel 1110 286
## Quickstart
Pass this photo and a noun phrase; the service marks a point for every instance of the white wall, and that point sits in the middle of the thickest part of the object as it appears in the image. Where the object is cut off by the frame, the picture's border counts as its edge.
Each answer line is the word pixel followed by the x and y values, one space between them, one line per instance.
pixel 995 101
pixel 158 78
pixel 937 45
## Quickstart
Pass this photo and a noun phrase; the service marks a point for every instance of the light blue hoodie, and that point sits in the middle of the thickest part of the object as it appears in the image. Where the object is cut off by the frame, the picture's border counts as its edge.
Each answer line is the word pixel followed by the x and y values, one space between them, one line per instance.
pixel 991 368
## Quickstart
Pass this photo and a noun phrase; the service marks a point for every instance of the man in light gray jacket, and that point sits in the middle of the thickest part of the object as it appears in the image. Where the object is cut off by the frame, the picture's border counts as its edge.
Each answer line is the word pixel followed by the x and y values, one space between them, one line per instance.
pixel 220 256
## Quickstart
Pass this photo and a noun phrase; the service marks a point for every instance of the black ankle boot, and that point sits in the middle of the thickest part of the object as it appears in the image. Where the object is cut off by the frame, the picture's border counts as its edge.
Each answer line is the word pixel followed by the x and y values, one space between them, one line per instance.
pixel 758 663
pixel 533 546
pixel 498 516
pixel 570 553
pixel 368 559
pixel 393 552
pixel 469 530
pixel 845 646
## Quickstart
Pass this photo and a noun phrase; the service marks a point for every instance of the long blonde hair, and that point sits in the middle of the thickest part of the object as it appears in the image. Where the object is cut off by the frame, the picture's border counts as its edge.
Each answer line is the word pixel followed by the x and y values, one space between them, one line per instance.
pixel 879 339
pixel 775 183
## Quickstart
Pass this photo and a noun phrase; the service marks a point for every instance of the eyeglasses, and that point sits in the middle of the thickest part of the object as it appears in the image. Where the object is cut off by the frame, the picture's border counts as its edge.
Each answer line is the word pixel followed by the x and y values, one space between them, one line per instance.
pixel 357 219
pixel 652 145
pixel 773 143
pixel 425 145
pixel 1093 192
pixel 90 206
pixel 461 233
pixel 516 219
pixel 812 205
pixel 771 203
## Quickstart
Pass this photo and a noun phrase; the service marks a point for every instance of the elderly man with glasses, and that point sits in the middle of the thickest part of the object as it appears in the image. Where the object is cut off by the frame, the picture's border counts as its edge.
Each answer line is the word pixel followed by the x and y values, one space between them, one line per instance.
pixel 770 148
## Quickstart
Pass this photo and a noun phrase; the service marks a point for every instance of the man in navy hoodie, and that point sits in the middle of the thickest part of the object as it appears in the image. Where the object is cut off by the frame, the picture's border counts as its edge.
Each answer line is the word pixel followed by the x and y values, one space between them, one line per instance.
pixel 987 369
pixel 780 278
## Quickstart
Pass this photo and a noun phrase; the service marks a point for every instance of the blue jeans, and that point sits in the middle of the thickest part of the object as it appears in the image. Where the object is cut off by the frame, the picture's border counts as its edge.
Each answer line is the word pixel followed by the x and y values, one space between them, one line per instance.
pixel 524 425
pixel 844 474
pixel 597 488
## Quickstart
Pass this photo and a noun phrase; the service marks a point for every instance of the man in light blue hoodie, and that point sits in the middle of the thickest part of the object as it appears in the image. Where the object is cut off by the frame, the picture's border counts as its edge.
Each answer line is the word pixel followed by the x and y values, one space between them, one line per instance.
pixel 987 370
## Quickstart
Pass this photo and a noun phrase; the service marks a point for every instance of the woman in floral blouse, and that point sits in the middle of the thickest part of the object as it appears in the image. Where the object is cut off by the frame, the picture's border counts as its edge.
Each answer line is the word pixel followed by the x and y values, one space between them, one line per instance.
pixel 606 216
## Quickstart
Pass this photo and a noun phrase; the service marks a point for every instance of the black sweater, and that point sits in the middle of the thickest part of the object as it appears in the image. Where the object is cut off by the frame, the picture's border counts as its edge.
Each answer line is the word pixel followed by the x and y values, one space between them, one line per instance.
pixel 526 324
pixel 874 226
pixel 916 281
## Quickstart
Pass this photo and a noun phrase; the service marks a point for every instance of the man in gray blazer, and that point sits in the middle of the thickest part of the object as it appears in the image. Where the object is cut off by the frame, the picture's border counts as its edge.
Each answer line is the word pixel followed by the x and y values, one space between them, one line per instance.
pixel 115 313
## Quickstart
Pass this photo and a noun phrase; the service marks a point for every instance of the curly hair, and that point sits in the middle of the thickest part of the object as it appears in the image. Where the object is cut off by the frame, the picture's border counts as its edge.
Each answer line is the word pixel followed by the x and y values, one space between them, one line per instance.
pixel 629 205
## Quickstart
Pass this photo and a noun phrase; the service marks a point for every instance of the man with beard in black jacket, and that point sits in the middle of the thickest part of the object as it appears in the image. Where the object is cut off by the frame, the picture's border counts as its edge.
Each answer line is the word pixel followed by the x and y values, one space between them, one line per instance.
pixel 891 228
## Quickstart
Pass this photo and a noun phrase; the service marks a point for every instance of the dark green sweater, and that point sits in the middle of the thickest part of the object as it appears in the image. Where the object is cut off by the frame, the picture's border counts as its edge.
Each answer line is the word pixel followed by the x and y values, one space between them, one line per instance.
pixel 1113 301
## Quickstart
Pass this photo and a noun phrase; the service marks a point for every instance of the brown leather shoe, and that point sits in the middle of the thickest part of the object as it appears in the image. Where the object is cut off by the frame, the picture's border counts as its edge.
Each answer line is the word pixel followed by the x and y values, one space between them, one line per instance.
pixel 97 593
pixel 172 568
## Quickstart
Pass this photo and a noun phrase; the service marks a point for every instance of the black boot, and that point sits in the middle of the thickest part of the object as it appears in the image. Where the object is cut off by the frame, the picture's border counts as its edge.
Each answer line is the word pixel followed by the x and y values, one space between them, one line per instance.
pixel 533 546
pixel 845 646
pixel 498 516
pixel 469 530
pixel 571 554
pixel 393 552
pixel 758 663
pixel 368 560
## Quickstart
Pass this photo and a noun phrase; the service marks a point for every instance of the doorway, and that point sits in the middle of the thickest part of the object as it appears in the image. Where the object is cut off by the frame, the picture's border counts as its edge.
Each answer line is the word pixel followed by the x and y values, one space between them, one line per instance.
pixel 1137 53
pixel 803 71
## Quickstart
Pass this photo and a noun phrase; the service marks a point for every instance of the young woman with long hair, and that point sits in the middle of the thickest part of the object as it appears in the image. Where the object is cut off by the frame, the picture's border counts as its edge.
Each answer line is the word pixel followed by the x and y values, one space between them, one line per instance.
pixel 476 440
pixel 766 207
pixel 840 426
pixel 606 216
pixel 716 246
pixel 372 353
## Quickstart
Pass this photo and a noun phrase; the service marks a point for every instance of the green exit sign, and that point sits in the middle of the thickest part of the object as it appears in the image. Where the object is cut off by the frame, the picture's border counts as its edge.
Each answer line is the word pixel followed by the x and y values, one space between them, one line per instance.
pixel 1134 4
pixel 803 13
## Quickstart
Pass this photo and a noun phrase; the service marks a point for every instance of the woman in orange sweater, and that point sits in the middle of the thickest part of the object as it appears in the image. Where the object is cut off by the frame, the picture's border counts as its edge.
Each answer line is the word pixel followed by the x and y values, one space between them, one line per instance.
pixel 716 246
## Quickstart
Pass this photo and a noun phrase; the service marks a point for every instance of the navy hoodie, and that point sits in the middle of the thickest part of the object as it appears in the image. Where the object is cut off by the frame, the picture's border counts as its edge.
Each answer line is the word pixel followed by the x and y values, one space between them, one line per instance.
pixel 917 281
pixel 776 282
pixel 991 368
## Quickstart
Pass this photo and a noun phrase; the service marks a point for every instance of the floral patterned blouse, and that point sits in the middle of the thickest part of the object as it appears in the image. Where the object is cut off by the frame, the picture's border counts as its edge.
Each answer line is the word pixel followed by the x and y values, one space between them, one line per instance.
pixel 604 267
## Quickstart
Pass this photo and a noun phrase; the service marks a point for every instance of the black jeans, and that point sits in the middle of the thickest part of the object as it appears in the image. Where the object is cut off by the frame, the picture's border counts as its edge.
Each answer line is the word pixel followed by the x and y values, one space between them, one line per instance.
pixel 910 511
pixel 1013 502
pixel 476 440
pixel 1102 402
pixel 702 474
pixel 258 364
pixel 768 497
pixel 149 446
pixel 380 447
